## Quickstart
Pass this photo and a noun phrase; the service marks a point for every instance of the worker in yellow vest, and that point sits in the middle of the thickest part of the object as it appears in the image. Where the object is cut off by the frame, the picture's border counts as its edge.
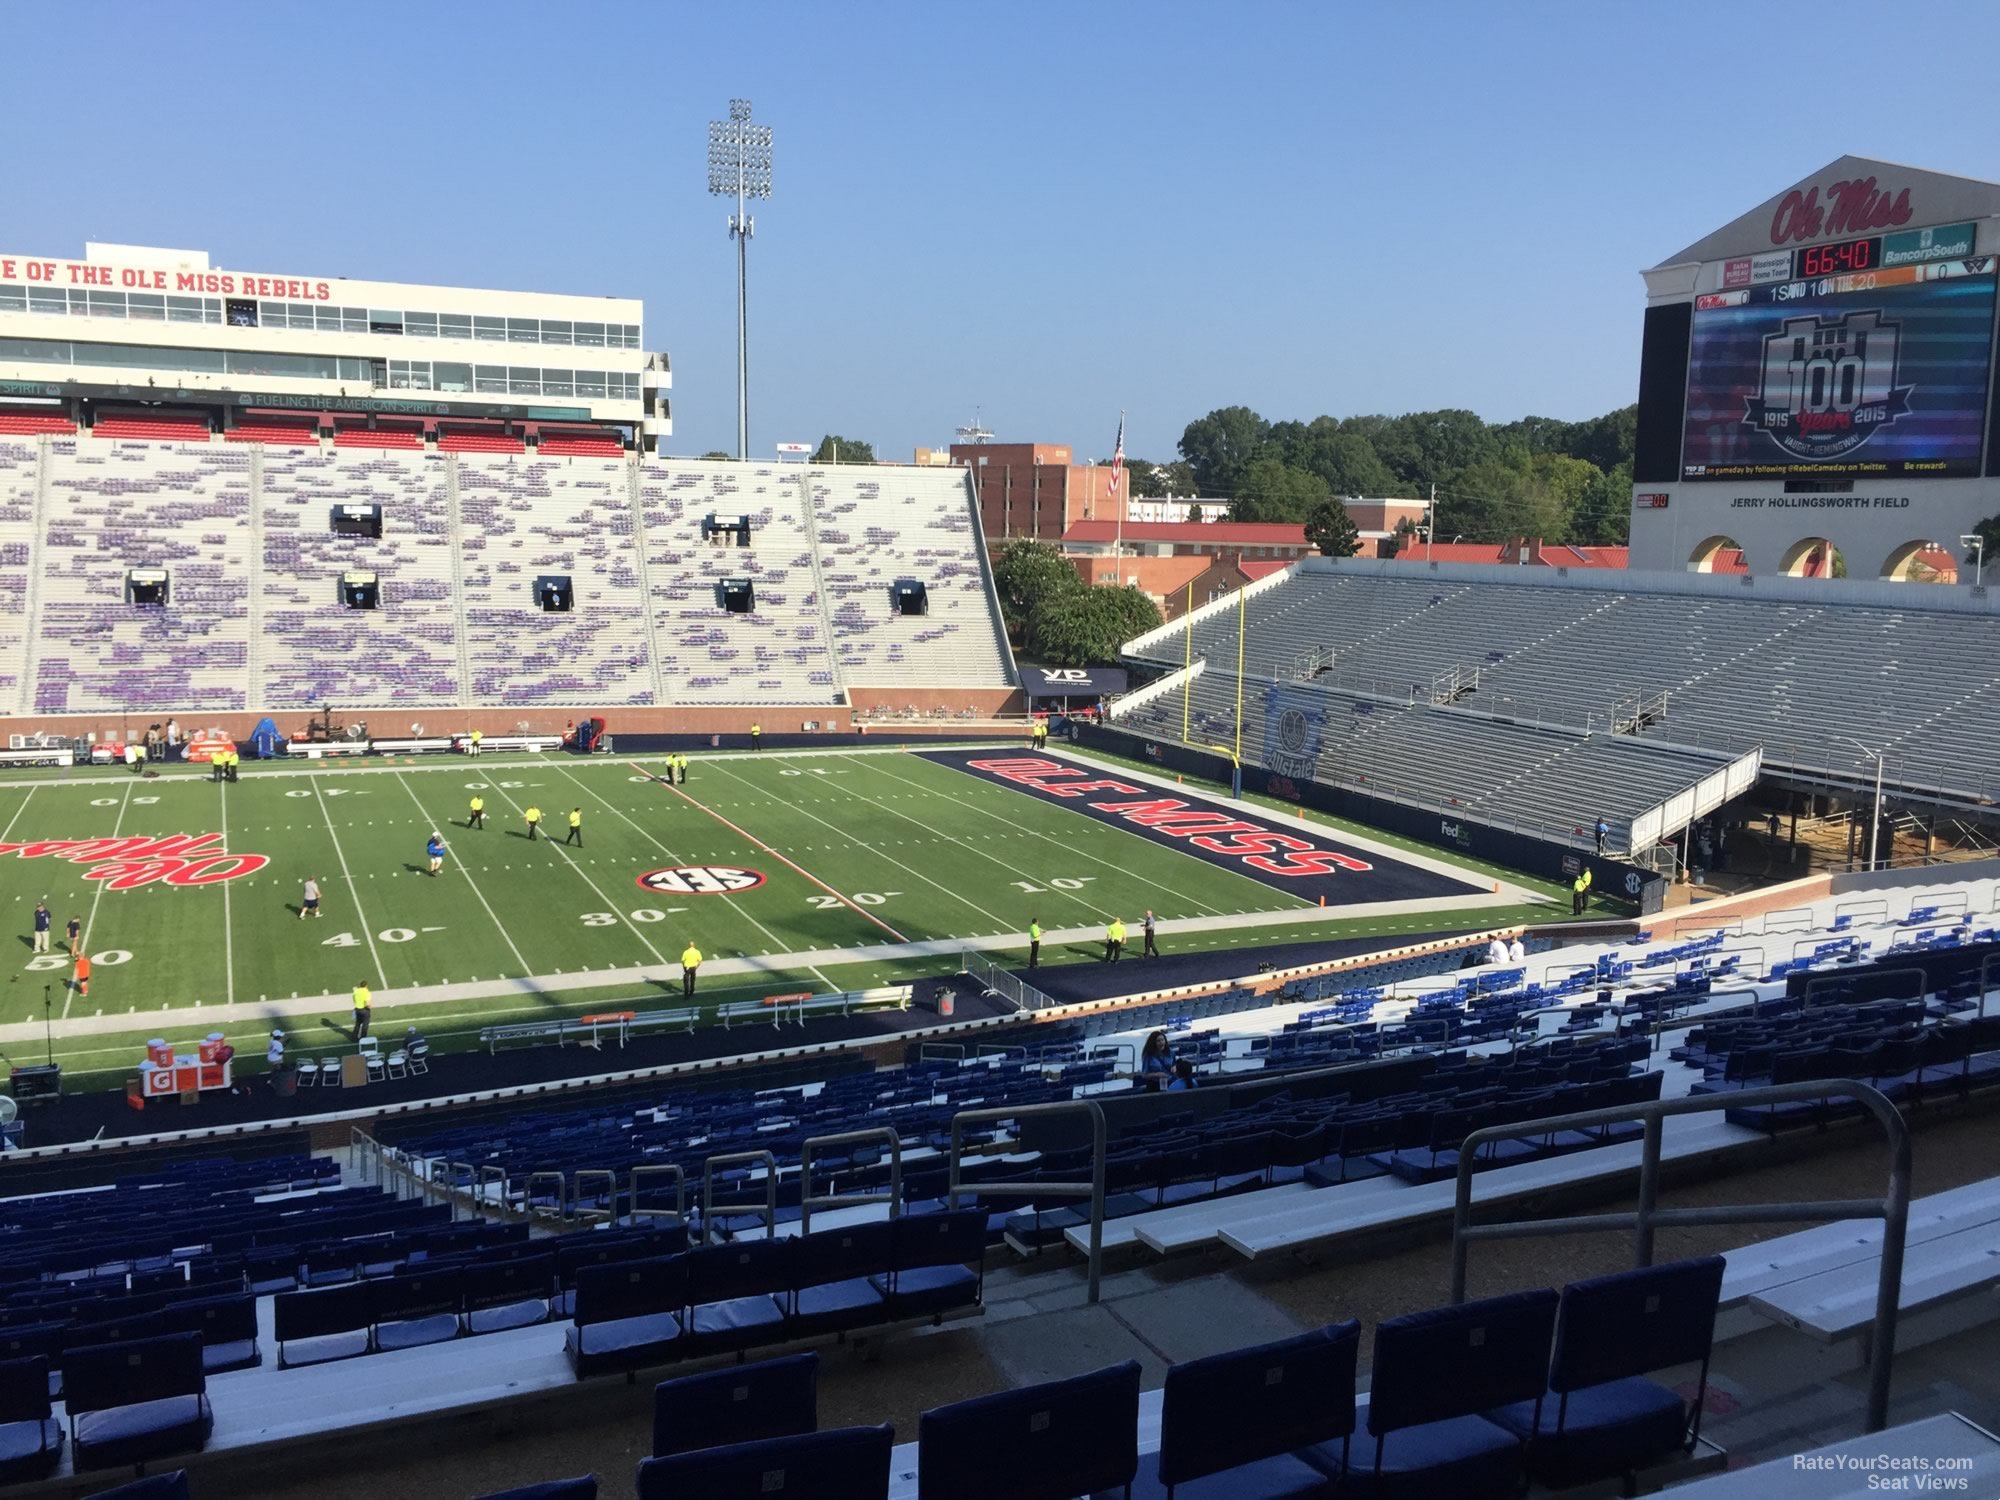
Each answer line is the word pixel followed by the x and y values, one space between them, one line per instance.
pixel 575 827
pixel 534 822
pixel 1114 940
pixel 478 818
pixel 364 1005
pixel 690 963
pixel 756 736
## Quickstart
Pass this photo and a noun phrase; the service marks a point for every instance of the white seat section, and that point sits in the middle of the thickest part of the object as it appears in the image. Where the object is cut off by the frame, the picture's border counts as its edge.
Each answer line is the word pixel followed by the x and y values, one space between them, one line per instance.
pixel 314 650
pixel 20 464
pixel 777 653
pixel 522 518
pixel 1840 1303
pixel 113 506
pixel 880 526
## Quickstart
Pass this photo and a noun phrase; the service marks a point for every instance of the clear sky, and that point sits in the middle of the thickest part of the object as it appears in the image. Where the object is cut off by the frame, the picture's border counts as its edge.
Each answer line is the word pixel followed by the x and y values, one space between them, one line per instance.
pixel 1043 211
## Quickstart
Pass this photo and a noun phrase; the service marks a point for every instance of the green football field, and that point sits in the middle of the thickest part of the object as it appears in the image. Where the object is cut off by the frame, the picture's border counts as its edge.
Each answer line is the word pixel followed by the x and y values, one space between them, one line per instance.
pixel 790 871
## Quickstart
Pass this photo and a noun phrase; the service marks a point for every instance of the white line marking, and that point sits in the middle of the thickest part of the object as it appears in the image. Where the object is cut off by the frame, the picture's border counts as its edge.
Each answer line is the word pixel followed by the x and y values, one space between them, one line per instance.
pixel 381 974
pixel 17 815
pixel 228 927
pixel 90 922
pixel 497 923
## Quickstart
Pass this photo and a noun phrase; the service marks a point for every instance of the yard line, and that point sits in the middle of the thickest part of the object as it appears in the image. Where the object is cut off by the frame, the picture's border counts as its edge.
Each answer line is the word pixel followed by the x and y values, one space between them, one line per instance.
pixel 752 839
pixel 509 941
pixel 1000 925
pixel 23 808
pixel 90 922
pixel 658 843
pixel 228 928
pixel 608 902
pixel 354 890
pixel 1068 848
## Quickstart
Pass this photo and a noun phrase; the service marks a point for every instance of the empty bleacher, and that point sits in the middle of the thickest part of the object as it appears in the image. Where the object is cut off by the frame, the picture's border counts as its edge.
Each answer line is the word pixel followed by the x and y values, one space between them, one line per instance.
pixel 255 620
pixel 1788 667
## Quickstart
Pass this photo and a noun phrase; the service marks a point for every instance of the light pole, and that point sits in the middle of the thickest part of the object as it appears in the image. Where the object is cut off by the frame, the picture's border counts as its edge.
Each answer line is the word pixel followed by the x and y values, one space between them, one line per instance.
pixel 739 166
pixel 1978 546
pixel 1875 817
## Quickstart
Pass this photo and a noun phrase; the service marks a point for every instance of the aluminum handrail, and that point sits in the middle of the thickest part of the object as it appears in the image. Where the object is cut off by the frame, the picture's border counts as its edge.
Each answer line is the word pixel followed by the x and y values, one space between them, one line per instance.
pixel 1093 1189
pixel 734 1158
pixel 576 1194
pixel 680 1189
pixel 808 1200
pixel 561 1196
pixel 1893 1208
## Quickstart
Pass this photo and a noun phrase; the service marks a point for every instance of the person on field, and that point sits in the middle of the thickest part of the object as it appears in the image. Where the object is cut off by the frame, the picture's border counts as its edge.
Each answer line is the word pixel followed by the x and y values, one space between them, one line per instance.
pixel 690 965
pixel 364 1009
pixel 309 898
pixel 478 817
pixel 1149 929
pixel 575 827
pixel 534 821
pixel 82 981
pixel 681 770
pixel 473 743
pixel 756 736
pixel 215 766
pixel 138 754
pixel 435 850
pixel 1034 942
pixel 1114 940
pixel 42 921
pixel 75 936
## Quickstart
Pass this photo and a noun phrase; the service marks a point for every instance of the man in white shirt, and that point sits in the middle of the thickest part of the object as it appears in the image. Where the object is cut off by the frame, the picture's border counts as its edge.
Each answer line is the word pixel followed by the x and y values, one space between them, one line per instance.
pixel 1496 951
pixel 275 1053
pixel 1517 952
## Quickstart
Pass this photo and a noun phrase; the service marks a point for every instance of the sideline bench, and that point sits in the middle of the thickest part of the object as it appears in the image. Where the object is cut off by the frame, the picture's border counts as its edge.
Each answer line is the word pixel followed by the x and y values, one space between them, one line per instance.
pixel 590 1029
pixel 777 1009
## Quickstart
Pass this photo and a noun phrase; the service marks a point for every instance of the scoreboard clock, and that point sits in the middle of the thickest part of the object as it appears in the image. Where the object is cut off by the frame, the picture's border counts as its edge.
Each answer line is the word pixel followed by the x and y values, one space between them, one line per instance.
pixel 1839 259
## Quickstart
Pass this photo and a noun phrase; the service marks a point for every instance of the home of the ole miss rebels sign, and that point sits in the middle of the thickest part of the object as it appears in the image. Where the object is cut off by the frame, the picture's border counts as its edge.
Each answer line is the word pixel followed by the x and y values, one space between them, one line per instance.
pixel 183 859
pixel 110 275
pixel 1850 207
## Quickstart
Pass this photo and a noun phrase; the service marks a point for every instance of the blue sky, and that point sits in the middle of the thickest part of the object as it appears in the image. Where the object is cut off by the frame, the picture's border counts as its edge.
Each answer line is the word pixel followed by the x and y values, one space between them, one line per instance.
pixel 1045 212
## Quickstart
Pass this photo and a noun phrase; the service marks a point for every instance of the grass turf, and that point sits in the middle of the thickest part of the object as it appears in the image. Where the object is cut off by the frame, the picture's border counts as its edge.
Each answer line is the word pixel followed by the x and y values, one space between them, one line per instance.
pixel 859 854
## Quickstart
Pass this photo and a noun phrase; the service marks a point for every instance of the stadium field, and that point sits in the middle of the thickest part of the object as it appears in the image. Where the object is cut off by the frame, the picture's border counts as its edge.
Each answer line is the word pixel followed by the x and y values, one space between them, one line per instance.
pixel 820 870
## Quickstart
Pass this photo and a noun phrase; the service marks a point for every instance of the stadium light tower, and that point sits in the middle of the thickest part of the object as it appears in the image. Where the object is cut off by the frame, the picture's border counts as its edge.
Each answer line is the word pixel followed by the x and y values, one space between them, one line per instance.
pixel 739 166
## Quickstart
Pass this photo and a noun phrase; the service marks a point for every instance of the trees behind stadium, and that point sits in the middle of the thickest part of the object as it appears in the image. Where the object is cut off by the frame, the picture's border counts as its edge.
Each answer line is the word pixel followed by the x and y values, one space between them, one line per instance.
pixel 1561 481
pixel 1056 617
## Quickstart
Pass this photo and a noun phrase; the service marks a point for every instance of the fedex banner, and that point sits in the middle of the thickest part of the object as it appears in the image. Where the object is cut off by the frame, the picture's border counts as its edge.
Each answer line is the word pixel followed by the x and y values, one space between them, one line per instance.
pixel 1300 862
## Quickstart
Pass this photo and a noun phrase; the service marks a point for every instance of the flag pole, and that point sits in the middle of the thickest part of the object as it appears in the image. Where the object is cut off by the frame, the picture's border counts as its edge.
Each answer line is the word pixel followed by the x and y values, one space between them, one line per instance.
pixel 1187 665
pixel 1241 620
pixel 1118 468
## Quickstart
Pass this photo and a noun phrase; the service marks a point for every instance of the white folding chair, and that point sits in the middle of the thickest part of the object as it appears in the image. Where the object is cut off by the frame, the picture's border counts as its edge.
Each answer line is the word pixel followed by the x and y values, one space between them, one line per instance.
pixel 329 1072
pixel 399 1065
pixel 420 1057
pixel 367 1046
pixel 376 1070
pixel 308 1071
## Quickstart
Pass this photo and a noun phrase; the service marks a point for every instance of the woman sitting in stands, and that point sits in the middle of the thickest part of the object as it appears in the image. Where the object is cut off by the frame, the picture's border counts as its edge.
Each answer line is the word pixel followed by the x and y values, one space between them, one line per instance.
pixel 1183 1078
pixel 1156 1061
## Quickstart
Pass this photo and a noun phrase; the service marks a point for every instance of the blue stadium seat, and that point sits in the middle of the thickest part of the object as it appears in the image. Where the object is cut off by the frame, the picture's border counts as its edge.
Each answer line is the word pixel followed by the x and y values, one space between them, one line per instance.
pixel 1042 1442
pixel 1433 1373
pixel 416 1307
pixel 627 1315
pixel 939 1263
pixel 848 1463
pixel 332 1321
pixel 228 1329
pixel 128 1403
pixel 172 1486
pixel 1231 1424
pixel 31 1438
pixel 1601 1416
pixel 734 1293
pixel 831 1290
pixel 777 1398
pixel 583 1487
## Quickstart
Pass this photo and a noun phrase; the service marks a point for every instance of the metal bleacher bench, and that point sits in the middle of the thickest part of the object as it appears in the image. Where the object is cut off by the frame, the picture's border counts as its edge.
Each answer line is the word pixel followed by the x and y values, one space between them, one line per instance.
pixel 433 744
pixel 778 1009
pixel 591 1030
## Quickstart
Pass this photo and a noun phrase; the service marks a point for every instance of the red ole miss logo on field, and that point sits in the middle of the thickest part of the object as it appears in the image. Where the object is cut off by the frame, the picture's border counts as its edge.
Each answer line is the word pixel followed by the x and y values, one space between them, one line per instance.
pixel 184 859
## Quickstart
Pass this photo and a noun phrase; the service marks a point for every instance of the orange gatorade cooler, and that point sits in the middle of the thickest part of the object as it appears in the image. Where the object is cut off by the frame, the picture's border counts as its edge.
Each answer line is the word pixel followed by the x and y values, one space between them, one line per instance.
pixel 160 1053
pixel 208 1045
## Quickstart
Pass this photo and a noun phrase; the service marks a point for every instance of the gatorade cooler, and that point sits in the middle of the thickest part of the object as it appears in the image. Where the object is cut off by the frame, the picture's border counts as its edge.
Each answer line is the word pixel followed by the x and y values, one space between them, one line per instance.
pixel 154 1080
pixel 160 1053
pixel 947 1004
pixel 210 1044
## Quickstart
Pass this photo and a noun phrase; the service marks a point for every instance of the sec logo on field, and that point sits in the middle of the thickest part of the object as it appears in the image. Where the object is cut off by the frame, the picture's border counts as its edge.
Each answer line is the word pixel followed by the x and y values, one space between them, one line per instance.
pixel 701 880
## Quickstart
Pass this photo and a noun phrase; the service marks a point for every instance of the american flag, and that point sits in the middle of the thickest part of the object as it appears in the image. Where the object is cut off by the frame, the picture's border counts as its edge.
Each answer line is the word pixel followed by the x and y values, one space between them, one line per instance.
pixel 1118 456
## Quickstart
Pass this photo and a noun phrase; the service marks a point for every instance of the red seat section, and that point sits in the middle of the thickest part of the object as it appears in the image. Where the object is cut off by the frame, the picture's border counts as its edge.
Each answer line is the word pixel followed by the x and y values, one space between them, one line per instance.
pixel 153 429
pixel 480 442
pixel 574 445
pixel 362 437
pixel 23 423
pixel 263 432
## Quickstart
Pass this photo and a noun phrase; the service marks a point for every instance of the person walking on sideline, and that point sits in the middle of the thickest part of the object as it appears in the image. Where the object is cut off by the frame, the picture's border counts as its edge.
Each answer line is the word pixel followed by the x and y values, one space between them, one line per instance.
pixel 42 921
pixel 1576 897
pixel 82 981
pixel 756 736
pixel 473 743
pixel 1114 940
pixel 435 849
pixel 690 964
pixel 534 822
pixel 309 898
pixel 75 936
pixel 1603 832
pixel 575 827
pixel 364 1006
pixel 1034 943
pixel 478 817
pixel 1152 949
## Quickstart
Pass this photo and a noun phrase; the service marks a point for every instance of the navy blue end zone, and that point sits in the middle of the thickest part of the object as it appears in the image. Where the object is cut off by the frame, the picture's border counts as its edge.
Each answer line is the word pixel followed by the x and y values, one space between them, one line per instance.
pixel 1308 865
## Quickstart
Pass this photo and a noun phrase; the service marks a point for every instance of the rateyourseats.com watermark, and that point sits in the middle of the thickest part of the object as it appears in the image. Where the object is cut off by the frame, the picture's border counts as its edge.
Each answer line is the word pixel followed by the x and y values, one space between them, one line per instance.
pixel 1895 1473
